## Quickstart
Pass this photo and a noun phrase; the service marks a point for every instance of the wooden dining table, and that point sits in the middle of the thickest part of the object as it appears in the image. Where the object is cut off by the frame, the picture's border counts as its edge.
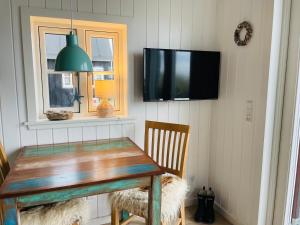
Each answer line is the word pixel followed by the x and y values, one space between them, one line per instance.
pixel 53 173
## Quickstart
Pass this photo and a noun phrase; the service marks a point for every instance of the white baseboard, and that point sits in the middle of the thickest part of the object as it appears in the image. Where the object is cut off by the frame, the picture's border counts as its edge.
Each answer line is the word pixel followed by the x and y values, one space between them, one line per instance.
pixel 226 215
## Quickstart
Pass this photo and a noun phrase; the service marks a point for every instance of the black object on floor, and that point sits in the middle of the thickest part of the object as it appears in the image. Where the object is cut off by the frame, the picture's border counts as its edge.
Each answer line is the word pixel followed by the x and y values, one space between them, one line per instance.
pixel 210 212
pixel 205 212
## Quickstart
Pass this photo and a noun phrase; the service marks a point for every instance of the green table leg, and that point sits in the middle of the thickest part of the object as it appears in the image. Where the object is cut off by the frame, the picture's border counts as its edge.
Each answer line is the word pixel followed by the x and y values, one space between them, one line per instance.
pixel 10 212
pixel 154 213
pixel 124 215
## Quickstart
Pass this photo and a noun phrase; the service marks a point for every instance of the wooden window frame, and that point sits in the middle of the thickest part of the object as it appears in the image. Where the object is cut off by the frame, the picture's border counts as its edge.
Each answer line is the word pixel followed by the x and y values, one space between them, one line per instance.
pixel 41 53
pixel 83 29
pixel 116 70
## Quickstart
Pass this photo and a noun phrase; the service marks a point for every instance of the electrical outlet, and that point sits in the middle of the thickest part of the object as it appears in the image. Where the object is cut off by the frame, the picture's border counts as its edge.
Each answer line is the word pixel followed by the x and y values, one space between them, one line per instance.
pixel 249 110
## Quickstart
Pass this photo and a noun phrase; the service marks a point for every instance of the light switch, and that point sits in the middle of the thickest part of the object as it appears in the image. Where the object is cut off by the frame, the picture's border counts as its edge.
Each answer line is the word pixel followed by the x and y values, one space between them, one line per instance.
pixel 249 110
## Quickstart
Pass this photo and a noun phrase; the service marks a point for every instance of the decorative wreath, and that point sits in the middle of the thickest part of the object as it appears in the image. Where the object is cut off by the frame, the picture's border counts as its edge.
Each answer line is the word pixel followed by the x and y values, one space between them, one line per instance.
pixel 237 38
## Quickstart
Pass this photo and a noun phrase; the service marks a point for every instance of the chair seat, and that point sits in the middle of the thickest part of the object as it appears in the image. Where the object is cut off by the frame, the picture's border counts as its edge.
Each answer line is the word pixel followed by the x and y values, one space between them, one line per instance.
pixel 135 200
pixel 63 213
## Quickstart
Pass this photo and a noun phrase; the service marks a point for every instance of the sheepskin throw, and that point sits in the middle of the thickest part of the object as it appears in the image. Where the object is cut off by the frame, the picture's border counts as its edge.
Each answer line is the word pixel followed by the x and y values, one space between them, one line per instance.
pixel 135 200
pixel 63 213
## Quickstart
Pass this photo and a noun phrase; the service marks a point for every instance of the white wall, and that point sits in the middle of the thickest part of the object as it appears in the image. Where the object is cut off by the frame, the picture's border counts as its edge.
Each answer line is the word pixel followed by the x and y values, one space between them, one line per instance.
pixel 237 144
pixel 186 24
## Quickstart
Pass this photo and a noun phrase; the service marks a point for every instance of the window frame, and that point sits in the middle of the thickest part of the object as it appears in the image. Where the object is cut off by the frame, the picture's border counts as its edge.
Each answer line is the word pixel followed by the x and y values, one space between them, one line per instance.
pixel 44 71
pixel 29 15
pixel 116 70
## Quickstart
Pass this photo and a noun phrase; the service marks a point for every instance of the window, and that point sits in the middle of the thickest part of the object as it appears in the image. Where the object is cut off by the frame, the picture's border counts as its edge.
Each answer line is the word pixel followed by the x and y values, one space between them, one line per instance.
pixel 104 51
pixel 78 92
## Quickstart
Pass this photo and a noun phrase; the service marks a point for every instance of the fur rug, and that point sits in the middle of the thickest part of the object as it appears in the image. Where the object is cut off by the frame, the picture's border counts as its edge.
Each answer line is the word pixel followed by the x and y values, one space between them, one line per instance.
pixel 135 200
pixel 63 213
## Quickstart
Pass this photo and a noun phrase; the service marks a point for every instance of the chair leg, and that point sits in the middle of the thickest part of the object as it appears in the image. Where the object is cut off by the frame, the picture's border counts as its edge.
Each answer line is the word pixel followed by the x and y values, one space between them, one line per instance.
pixel 115 216
pixel 182 214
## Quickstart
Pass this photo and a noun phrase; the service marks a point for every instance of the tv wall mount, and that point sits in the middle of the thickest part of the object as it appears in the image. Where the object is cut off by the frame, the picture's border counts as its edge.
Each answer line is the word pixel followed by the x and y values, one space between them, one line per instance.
pixel 237 33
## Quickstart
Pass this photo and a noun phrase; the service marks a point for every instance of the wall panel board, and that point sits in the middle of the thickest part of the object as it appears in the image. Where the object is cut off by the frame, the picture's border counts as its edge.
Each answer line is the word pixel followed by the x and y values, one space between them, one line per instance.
pixel 99 6
pixel 37 3
pixel 85 5
pixel 236 142
pixel 53 4
pixel 221 140
pixel 127 8
pixel 114 7
pixel 8 88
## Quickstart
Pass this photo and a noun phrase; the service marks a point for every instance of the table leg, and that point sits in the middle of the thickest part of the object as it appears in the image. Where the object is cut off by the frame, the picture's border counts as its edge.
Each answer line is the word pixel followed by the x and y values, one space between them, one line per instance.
pixel 154 208
pixel 10 213
pixel 124 215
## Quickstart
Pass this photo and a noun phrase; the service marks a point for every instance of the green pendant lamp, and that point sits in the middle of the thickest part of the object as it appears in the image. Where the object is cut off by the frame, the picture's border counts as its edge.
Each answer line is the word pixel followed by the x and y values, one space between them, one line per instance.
pixel 72 58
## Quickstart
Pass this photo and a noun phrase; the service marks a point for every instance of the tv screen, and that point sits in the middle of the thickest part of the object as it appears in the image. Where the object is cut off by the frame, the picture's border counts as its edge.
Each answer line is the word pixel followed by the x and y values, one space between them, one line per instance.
pixel 180 74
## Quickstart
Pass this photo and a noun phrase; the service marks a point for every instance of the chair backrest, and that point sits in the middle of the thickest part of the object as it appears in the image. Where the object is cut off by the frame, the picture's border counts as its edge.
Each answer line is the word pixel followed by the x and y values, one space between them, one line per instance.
pixel 4 165
pixel 167 145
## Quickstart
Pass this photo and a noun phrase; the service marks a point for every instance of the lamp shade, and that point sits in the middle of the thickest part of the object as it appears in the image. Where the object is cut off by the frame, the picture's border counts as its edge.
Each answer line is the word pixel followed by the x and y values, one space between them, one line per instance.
pixel 73 58
pixel 104 88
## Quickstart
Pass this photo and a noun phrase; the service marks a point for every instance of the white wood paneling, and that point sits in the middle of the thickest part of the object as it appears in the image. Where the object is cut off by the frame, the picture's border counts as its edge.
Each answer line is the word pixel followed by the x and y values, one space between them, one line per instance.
pixel 152 24
pixel 89 133
pixel 114 7
pixel 186 24
pixel 221 141
pixel 103 205
pixel 175 23
pixel 60 135
pixel 99 6
pixel 102 132
pixel 128 131
pixel 93 205
pixel 135 66
pixel 1 128
pixel 53 4
pixel 37 3
pixel 75 134
pixel 8 91
pixel 44 137
pixel 115 131
pixel 236 144
pixel 164 16
pixel 85 5
pixel 68 4
pixel 127 8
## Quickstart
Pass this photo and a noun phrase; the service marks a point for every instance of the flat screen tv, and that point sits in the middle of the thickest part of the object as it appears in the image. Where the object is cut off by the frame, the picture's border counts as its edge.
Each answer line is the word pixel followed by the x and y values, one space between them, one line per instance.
pixel 180 74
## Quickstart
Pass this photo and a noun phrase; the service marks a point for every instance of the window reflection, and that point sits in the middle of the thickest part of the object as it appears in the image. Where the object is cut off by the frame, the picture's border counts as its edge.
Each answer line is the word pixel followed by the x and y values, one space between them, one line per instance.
pixel 102 54
pixel 60 84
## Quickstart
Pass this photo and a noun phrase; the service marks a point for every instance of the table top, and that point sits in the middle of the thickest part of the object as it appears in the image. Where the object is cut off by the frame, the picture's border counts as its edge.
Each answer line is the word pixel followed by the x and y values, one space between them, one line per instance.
pixel 61 166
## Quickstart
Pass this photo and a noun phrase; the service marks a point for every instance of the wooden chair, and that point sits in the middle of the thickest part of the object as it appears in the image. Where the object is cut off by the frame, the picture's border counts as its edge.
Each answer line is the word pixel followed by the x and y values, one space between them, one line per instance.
pixel 166 144
pixel 4 170
pixel 4 165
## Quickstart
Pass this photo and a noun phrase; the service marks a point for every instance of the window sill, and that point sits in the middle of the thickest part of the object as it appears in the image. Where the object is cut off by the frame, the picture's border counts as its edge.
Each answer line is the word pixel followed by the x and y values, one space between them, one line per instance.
pixel 77 122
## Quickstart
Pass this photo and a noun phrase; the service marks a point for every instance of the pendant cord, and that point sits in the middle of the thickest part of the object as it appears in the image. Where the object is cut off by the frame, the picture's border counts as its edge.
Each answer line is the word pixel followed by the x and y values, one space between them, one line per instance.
pixel 71 16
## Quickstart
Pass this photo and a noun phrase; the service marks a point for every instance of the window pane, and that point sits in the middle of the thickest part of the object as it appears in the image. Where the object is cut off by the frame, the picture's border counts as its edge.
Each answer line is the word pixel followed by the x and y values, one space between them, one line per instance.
pixel 103 77
pixel 61 90
pixel 54 43
pixel 51 64
pixel 102 54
